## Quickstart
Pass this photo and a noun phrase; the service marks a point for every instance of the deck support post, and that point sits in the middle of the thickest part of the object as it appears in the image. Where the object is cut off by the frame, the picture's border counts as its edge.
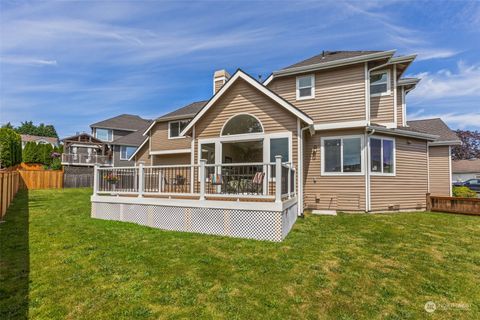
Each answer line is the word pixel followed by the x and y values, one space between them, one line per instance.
pixel 140 180
pixel 278 178
pixel 202 178
pixel 95 180
pixel 289 180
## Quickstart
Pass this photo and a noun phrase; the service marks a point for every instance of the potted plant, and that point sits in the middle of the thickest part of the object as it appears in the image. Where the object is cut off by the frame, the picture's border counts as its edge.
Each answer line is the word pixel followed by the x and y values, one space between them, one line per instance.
pixel 112 179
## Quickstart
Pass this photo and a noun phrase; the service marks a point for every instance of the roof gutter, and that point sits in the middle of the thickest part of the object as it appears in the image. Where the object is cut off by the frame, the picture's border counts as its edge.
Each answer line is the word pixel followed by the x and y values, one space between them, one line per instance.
pixel 404 133
pixel 446 143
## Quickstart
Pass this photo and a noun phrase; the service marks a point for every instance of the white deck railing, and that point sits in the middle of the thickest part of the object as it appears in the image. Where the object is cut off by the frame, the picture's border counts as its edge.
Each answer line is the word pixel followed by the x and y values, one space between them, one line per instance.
pixel 86 159
pixel 229 180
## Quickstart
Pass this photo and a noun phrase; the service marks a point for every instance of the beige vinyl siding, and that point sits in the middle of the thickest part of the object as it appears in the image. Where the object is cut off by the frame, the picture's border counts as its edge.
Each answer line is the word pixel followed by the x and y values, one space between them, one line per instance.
pixel 160 141
pixel 171 159
pixel 244 98
pixel 399 107
pixel 143 155
pixel 439 162
pixel 382 107
pixel 339 94
pixel 342 193
pixel 407 189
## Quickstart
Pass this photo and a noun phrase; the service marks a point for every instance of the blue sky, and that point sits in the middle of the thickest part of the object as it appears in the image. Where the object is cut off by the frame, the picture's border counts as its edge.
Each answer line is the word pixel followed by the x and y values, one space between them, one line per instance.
pixel 74 63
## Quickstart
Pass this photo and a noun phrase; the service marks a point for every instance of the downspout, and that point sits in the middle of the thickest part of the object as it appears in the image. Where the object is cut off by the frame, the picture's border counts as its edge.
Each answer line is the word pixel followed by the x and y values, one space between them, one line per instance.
pixel 300 148
pixel 367 134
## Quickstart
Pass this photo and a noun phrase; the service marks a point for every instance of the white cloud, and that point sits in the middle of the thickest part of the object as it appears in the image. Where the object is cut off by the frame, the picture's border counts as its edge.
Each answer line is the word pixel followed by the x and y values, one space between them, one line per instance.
pixel 29 61
pixel 447 84
pixel 428 54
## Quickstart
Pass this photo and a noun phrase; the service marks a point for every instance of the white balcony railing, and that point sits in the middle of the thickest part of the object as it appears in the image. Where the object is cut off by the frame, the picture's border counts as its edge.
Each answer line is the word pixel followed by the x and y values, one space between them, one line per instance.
pixel 86 159
pixel 275 181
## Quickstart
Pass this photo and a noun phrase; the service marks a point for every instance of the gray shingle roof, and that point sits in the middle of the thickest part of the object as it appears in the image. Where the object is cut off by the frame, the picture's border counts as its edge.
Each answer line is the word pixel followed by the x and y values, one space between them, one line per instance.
pixel 433 126
pixel 122 122
pixel 328 56
pixel 466 166
pixel 188 111
pixel 133 139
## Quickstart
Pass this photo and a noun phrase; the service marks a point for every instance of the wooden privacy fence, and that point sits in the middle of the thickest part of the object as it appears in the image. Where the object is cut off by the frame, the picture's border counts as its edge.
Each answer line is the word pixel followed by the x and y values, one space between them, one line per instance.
pixel 41 179
pixel 453 204
pixel 9 185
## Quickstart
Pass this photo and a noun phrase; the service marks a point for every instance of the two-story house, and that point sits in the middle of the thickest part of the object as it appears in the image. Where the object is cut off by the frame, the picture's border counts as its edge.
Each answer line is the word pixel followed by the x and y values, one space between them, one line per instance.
pixel 336 122
pixel 111 142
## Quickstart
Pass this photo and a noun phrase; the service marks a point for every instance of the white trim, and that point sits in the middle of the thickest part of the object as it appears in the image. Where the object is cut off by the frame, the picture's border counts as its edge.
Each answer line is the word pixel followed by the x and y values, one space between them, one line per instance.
pixel 268 80
pixel 404 108
pixel 428 168
pixel 240 134
pixel 340 125
pixel 450 167
pixel 174 151
pixel 395 117
pixel 389 85
pixel 406 82
pixel 180 136
pixel 381 138
pixel 367 172
pixel 138 149
pixel 195 203
pixel 403 59
pixel 336 63
pixel 255 84
pixel 403 133
pixel 96 137
pixel 215 79
pixel 127 158
pixel 150 127
pixel 312 87
pixel 342 137
pixel 367 94
pixel 446 143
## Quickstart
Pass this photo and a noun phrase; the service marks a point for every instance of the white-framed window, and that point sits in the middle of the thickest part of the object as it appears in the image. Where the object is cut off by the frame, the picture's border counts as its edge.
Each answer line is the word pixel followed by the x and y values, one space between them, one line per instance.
pixel 380 83
pixel 306 87
pixel 342 155
pixel 176 127
pixel 382 156
pixel 126 152
pixel 243 123
pixel 104 134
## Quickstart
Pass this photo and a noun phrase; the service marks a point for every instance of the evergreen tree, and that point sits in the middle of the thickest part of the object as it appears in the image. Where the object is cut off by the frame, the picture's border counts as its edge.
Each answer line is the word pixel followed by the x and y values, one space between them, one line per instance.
pixel 47 154
pixel 29 152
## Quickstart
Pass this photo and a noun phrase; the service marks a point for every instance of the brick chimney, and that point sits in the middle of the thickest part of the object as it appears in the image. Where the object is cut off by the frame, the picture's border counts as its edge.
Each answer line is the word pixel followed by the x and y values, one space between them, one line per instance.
pixel 219 79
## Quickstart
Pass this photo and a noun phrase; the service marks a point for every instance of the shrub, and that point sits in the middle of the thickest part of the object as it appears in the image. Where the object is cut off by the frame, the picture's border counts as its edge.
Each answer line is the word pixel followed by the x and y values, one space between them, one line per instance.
pixel 463 192
pixel 29 152
pixel 10 148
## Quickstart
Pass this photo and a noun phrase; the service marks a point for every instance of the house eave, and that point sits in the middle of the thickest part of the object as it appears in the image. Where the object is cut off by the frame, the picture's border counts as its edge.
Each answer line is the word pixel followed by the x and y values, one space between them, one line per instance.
pixel 332 64
pixel 403 133
pixel 446 143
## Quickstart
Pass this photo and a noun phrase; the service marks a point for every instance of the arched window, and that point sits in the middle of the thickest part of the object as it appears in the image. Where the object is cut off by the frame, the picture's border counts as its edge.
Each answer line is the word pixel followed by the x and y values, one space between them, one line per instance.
pixel 242 124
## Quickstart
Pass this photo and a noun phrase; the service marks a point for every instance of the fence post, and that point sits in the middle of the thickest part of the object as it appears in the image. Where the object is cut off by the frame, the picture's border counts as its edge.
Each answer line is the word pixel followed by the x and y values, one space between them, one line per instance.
pixel 429 202
pixel 202 178
pixel 95 180
pixel 294 182
pixel 140 180
pixel 278 178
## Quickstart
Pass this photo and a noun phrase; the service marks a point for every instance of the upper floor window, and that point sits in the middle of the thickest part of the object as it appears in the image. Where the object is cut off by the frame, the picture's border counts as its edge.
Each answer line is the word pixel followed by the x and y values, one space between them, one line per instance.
pixel 306 87
pixel 126 152
pixel 104 134
pixel 379 83
pixel 382 156
pixel 342 155
pixel 242 124
pixel 176 127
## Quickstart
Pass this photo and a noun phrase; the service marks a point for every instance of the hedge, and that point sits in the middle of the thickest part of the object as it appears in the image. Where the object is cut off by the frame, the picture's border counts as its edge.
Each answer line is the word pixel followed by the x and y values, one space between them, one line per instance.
pixel 10 148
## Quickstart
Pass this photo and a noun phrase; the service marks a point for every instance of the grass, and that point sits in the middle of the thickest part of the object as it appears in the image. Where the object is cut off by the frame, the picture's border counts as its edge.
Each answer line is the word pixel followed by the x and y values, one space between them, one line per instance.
pixel 58 263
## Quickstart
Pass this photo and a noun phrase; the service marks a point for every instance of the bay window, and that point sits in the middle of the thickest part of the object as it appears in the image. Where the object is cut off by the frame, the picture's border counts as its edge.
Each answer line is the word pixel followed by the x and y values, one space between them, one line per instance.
pixel 342 155
pixel 382 156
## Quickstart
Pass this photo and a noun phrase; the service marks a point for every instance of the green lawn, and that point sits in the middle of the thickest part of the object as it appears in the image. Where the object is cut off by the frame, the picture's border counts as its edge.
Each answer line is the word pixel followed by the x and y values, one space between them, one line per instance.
pixel 57 263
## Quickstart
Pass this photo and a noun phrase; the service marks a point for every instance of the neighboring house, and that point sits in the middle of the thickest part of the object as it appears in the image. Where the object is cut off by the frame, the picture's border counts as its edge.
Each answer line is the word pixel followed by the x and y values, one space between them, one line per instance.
pixel 338 121
pixel 38 140
pixel 111 143
pixel 123 134
pixel 463 170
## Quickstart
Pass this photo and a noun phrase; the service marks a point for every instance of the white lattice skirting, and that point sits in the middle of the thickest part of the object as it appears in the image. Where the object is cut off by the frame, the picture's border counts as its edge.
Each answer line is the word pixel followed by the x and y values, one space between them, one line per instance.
pixel 272 225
